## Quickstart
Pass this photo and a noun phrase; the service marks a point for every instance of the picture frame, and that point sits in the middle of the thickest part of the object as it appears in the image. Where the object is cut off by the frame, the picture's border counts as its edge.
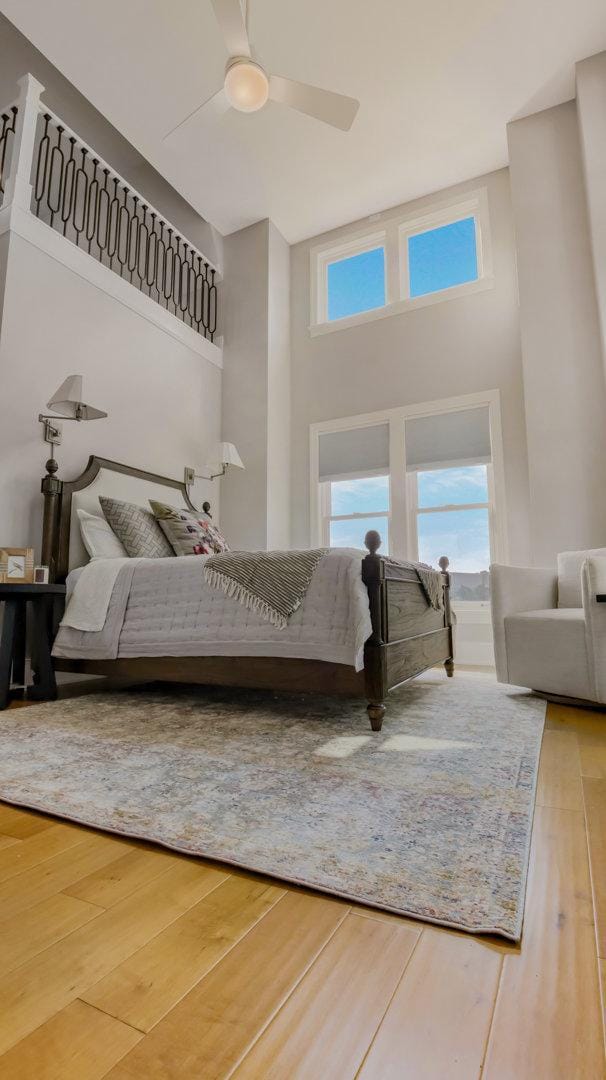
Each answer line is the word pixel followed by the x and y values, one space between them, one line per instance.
pixel 16 566
pixel 40 575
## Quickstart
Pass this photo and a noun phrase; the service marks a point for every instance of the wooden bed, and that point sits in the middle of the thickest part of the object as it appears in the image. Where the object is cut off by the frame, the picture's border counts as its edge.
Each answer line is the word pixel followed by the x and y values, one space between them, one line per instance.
pixel 408 636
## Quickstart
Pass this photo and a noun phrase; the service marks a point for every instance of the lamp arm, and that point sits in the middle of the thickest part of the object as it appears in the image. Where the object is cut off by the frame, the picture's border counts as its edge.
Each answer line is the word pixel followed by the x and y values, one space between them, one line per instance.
pixel 190 475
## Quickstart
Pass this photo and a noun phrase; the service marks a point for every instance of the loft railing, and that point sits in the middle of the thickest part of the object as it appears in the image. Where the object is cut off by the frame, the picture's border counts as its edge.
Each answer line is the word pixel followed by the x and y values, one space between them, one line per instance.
pixel 8 119
pixel 69 187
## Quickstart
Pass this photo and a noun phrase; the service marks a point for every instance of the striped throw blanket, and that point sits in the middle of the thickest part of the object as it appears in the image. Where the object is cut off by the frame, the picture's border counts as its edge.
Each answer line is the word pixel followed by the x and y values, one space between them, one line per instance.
pixel 270 583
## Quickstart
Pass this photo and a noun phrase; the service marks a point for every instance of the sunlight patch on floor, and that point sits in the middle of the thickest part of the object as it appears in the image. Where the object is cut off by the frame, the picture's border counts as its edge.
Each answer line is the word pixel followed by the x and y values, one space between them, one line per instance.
pixel 406 743
pixel 343 746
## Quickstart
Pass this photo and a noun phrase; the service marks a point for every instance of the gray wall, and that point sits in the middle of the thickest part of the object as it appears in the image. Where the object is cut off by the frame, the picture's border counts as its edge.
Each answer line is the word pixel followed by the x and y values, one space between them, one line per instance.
pixel 18 56
pixel 256 387
pixel 591 111
pixel 164 401
pixel 563 376
pixel 455 347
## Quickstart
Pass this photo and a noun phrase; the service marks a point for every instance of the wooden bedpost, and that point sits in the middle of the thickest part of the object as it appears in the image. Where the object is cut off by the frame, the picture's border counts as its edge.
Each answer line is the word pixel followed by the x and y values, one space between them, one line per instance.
pixel 444 563
pixel 51 488
pixel 374 653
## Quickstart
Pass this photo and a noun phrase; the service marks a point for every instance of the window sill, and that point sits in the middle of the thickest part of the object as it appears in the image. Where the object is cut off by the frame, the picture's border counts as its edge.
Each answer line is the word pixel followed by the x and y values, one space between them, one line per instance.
pixel 399 307
pixel 472 612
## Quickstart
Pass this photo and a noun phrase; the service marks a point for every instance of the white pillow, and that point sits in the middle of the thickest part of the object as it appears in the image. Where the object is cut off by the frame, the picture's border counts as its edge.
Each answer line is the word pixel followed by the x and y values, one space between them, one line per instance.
pixel 570 564
pixel 99 538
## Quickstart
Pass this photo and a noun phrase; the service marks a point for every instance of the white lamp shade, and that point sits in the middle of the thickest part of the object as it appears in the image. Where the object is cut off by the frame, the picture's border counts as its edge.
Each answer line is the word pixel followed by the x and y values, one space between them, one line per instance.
pixel 228 455
pixel 68 401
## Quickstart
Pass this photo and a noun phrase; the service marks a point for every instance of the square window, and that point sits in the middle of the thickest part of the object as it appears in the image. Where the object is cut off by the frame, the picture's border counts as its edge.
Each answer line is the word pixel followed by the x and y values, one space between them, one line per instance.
pixel 356 284
pixel 442 257
pixel 449 487
pixel 359 495
pixel 351 532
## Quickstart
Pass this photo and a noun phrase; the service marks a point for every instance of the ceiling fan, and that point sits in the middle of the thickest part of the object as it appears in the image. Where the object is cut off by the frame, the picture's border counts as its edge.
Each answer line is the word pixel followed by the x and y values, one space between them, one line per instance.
pixel 247 86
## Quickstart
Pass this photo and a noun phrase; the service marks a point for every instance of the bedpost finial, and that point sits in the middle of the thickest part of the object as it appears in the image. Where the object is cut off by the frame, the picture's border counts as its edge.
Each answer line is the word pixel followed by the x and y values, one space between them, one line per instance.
pixel 444 563
pixel 372 541
pixel 51 466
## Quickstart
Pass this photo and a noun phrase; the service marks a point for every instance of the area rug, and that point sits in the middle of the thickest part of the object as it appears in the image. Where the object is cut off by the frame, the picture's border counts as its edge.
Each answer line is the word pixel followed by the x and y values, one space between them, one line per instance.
pixel 429 818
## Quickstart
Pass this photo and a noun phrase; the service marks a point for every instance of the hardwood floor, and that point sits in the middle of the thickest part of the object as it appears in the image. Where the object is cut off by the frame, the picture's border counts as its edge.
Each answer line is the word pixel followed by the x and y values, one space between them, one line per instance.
pixel 125 961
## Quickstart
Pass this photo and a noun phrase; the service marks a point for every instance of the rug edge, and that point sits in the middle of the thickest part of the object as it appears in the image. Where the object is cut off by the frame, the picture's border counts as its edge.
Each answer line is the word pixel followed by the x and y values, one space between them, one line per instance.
pixel 513 936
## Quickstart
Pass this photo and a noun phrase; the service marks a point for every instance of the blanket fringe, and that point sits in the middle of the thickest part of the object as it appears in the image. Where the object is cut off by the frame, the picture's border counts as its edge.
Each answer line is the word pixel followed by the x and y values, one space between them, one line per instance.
pixel 217 580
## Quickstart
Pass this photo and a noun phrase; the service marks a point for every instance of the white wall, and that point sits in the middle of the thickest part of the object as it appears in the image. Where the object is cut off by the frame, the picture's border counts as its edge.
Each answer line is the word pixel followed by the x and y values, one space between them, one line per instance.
pixel 591 111
pixel 456 347
pixel 563 376
pixel 256 387
pixel 244 512
pixel 278 392
pixel 164 402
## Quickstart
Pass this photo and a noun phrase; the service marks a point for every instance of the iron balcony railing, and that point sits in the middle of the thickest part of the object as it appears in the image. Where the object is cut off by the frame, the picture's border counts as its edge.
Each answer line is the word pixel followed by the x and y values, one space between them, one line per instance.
pixel 82 197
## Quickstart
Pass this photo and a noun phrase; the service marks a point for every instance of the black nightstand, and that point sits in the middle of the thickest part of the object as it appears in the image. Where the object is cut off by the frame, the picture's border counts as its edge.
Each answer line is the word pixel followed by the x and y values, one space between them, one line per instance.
pixel 42 600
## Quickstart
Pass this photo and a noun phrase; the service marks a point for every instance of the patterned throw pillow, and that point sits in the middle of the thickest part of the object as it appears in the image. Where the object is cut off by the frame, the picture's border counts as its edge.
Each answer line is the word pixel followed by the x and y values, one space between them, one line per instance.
pixel 137 529
pixel 189 534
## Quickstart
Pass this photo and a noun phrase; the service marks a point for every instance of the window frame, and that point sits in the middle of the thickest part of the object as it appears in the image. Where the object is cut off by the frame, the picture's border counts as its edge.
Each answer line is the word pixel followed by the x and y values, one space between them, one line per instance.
pixel 393 234
pixel 400 540
pixel 326 517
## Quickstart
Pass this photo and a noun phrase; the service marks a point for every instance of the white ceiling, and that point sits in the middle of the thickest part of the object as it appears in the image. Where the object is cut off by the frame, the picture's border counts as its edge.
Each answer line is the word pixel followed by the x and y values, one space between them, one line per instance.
pixel 437 81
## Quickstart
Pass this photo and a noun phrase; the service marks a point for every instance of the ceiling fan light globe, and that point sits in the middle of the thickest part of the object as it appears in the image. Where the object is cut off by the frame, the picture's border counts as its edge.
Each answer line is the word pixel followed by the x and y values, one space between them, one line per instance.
pixel 246 86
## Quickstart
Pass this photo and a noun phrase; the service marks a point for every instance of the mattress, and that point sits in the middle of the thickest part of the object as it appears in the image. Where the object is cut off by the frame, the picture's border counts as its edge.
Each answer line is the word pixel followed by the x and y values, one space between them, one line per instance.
pixel 164 607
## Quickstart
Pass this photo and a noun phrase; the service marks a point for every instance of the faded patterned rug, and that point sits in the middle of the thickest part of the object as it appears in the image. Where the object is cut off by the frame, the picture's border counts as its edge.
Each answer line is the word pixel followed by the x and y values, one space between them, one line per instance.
pixel 429 818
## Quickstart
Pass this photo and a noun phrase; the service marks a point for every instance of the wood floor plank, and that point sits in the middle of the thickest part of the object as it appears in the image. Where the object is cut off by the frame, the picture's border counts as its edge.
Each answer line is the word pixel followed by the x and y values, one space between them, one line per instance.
pixel 588 722
pixel 211 1029
pixel 113 883
pixel 559 780
pixel 30 932
pixel 20 823
pixel 603 982
pixel 35 991
pixel 594 792
pixel 547 1015
pixel 78 1043
pixel 145 987
pixel 438 1022
pixel 38 849
pixel 7 841
pixel 328 1022
pixel 593 755
pixel 39 882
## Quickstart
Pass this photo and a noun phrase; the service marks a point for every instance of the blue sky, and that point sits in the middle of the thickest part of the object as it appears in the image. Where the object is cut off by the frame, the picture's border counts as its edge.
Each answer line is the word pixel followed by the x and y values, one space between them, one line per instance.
pixel 442 257
pixel 461 535
pixel 356 284
pixel 437 259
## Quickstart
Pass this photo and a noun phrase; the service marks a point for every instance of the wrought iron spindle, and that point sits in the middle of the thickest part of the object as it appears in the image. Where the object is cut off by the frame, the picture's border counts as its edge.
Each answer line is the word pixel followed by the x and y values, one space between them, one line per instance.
pixel 7 134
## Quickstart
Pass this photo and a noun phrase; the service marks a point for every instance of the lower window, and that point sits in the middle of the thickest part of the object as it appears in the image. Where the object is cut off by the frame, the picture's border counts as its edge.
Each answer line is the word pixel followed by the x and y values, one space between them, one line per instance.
pixel 453 518
pixel 354 506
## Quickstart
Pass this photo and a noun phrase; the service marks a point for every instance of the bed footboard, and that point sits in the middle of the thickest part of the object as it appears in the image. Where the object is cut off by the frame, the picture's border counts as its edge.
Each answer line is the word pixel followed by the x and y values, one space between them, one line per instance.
pixel 408 636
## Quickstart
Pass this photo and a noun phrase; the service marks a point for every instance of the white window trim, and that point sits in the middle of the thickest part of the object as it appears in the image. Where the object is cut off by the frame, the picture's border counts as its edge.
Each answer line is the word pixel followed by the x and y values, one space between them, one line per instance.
pixel 393 236
pixel 399 489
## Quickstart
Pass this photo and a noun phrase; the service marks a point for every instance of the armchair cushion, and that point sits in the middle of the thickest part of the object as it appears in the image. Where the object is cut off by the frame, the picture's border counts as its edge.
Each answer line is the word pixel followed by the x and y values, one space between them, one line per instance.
pixel 570 564
pixel 546 650
pixel 514 589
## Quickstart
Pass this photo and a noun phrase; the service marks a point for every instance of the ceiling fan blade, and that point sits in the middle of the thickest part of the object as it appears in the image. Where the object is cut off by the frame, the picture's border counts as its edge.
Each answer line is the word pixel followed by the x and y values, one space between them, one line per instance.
pixel 215 105
pixel 231 19
pixel 335 109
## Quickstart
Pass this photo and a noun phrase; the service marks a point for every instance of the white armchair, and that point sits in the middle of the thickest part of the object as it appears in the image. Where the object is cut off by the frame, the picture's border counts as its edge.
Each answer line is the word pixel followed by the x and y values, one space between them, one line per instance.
pixel 549 631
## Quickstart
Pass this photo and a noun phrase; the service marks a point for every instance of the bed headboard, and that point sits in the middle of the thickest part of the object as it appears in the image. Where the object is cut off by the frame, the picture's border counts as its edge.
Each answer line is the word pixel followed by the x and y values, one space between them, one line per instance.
pixel 62 548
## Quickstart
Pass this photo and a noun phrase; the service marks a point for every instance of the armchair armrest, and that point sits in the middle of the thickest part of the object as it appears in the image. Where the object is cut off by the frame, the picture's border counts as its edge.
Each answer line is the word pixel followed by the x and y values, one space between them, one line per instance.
pixel 514 589
pixel 593 581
